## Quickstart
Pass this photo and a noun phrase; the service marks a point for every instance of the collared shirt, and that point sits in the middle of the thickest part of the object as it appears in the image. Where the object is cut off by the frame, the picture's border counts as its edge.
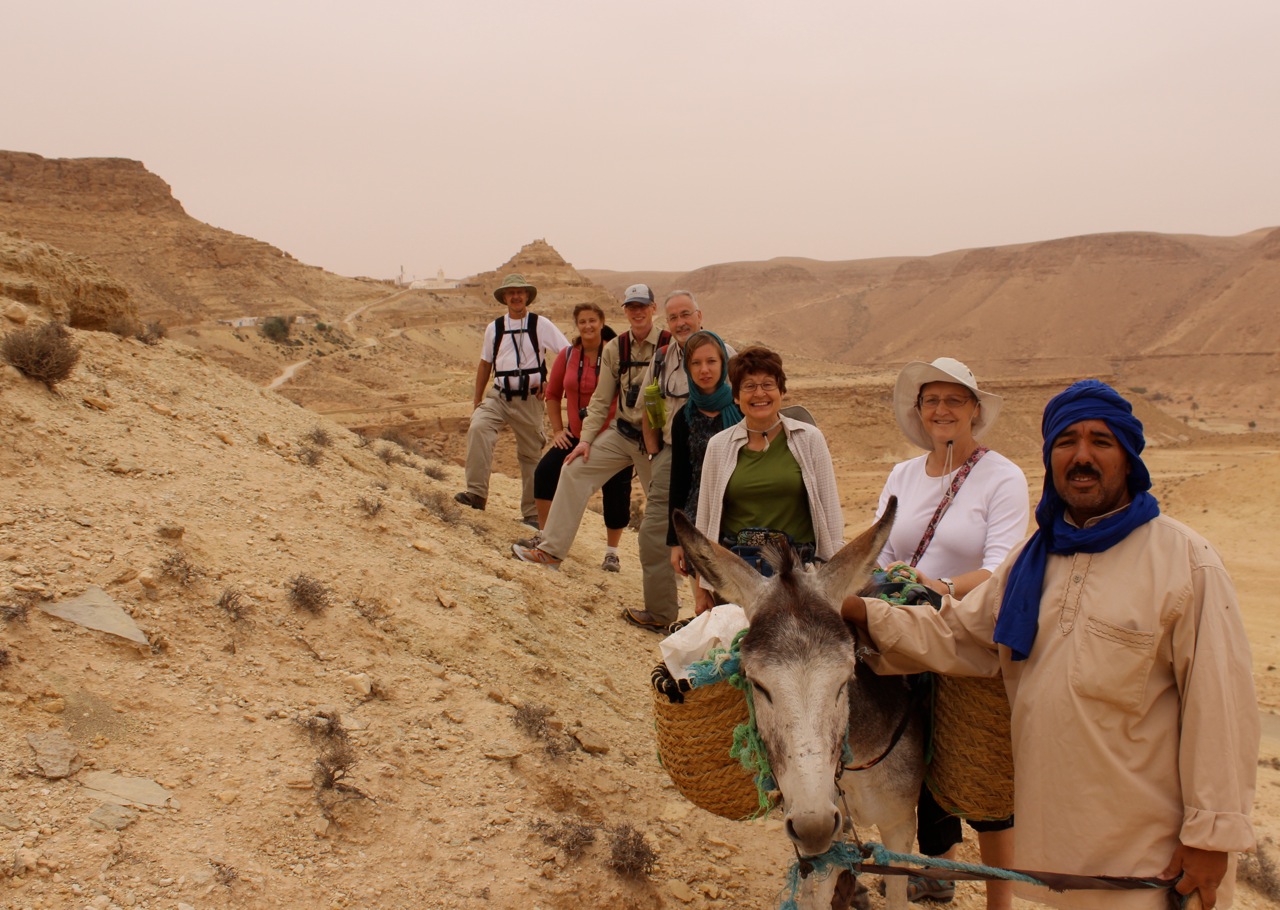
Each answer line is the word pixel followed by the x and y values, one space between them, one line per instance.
pixel 516 350
pixel 614 381
pixel 1134 720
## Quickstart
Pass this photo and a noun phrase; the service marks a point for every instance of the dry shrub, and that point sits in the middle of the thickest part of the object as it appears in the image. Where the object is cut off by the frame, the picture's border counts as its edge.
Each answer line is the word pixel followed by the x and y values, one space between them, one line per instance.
pixel 224 873
pixel 573 837
pixel 123 327
pixel 310 456
pixel 319 436
pixel 336 757
pixel 435 470
pixel 18 606
pixel 369 505
pixel 44 352
pixel 309 594
pixel 180 568
pixel 1260 871
pixel 371 608
pixel 233 603
pixel 153 333
pixel 439 504
pixel 629 853
pixel 399 437
pixel 362 439
pixel 5 659
pixel 534 721
pixel 392 454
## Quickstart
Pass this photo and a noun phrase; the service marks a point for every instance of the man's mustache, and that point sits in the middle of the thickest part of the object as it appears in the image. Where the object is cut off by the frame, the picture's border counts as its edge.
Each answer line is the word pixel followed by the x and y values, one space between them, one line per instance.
pixel 1084 470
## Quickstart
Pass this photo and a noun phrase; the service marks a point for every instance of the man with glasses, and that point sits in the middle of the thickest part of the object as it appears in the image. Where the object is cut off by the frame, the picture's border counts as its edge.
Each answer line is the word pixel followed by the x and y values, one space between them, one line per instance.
pixel 626 367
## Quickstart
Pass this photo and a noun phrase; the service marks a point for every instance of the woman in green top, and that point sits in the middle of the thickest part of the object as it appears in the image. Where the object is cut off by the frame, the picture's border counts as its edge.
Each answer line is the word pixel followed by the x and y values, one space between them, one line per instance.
pixel 768 471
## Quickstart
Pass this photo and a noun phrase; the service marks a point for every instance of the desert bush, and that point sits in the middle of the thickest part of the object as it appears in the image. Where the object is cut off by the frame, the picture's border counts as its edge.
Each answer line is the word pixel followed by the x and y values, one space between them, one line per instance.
pixel 44 352
pixel 123 327
pixel 5 659
pixel 629 853
pixel 397 436
pixel 573 837
pixel 17 606
pixel 533 720
pixel 309 594
pixel 310 456
pixel 233 602
pixel 334 761
pixel 224 873
pixel 435 470
pixel 392 454
pixel 1261 872
pixel 319 436
pixel 370 505
pixel 152 333
pixel 362 439
pixel 180 568
pixel 275 328
pixel 371 608
pixel 439 504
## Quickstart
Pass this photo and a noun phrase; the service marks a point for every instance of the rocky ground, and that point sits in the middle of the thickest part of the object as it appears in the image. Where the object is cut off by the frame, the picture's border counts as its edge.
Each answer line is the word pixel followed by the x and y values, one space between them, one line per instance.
pixel 291 576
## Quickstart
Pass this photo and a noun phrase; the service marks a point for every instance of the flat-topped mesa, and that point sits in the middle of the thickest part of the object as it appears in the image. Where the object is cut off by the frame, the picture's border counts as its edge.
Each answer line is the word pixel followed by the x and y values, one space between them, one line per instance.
pixel 85 184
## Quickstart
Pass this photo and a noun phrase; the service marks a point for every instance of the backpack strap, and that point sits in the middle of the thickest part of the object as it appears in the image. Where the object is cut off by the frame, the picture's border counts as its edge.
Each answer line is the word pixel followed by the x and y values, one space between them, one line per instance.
pixel 522 374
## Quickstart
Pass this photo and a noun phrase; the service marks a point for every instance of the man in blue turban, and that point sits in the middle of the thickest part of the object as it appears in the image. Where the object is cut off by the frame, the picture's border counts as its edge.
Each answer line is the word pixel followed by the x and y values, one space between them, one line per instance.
pixel 1118 634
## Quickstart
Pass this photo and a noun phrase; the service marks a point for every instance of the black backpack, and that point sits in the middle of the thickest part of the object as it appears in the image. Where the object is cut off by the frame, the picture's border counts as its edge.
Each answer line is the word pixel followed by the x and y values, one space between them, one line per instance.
pixel 521 375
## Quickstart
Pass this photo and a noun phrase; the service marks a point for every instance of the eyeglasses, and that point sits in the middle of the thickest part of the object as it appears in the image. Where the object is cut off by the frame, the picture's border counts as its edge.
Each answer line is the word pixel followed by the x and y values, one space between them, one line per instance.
pixel 953 402
pixel 685 314
pixel 767 386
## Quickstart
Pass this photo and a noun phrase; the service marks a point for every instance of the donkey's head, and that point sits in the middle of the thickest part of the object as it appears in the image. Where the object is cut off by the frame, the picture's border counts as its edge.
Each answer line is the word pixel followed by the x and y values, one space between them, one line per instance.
pixel 799 657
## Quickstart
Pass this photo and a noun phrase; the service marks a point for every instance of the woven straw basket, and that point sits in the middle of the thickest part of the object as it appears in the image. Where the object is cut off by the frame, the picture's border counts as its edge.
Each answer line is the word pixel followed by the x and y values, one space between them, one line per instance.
pixel 694 739
pixel 971 774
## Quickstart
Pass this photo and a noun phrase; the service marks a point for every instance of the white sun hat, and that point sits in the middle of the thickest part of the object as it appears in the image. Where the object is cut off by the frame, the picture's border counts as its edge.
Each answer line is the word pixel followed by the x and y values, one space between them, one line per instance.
pixel 944 369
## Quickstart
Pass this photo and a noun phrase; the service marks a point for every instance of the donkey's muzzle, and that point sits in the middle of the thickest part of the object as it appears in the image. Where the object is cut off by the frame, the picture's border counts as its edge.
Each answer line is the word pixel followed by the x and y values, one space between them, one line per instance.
pixel 813 832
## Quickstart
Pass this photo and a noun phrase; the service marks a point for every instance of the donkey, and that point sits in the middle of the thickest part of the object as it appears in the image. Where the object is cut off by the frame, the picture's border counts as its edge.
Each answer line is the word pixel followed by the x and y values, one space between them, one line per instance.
pixel 811 691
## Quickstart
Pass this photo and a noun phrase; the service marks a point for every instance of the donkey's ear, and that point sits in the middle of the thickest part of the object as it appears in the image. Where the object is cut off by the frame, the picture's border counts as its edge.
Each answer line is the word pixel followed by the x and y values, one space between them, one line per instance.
pixel 732 578
pixel 848 570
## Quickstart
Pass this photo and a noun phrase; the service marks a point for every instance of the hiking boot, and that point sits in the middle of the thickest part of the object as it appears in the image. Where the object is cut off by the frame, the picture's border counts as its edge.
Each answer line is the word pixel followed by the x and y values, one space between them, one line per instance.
pixel 939 891
pixel 611 563
pixel 644 619
pixel 470 499
pixel 535 555
pixel 530 543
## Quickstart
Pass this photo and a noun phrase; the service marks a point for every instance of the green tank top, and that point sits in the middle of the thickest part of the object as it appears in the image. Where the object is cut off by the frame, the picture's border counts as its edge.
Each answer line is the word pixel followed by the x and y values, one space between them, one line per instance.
pixel 766 490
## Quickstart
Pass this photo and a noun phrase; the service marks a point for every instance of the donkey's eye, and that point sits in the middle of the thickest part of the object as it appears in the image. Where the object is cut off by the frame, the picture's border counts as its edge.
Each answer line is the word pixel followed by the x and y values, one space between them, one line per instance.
pixel 763 691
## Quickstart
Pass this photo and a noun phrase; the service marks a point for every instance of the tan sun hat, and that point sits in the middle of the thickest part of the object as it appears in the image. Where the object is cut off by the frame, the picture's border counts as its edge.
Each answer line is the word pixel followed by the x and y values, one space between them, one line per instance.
pixel 514 281
pixel 944 369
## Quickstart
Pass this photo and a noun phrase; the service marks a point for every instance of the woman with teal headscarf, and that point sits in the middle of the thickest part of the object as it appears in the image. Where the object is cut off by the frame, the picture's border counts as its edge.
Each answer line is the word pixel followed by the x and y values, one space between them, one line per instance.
pixel 709 410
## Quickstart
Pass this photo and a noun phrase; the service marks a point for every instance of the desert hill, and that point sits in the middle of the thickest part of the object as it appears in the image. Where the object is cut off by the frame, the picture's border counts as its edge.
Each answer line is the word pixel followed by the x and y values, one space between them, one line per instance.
pixel 201 503
pixel 1181 315
pixel 178 270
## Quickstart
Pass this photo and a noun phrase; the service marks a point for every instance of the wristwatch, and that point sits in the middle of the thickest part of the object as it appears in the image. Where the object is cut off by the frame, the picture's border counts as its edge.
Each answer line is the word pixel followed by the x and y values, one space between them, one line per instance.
pixel 951 586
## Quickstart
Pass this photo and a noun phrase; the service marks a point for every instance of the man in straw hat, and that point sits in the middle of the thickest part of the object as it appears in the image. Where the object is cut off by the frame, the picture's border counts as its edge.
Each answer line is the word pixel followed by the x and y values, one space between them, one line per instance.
pixel 1117 631
pixel 512 355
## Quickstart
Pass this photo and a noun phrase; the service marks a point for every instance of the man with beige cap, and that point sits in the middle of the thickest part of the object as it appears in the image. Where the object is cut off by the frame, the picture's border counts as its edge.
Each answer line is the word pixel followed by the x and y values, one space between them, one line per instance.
pixel 512 355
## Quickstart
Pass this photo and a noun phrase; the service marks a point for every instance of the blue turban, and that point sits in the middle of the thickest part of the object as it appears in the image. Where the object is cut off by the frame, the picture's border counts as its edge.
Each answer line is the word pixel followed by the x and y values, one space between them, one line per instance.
pixel 1088 399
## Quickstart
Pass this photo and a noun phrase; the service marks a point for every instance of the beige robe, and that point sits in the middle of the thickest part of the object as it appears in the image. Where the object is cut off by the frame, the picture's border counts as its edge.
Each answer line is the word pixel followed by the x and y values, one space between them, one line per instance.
pixel 1135 723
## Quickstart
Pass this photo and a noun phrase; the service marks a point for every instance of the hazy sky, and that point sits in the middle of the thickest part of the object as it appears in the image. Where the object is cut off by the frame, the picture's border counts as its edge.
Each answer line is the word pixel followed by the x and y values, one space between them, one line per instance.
pixel 662 135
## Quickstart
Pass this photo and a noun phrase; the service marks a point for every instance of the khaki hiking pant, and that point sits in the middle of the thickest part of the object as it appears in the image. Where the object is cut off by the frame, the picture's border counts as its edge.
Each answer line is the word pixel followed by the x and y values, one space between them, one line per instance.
pixel 610 453
pixel 525 419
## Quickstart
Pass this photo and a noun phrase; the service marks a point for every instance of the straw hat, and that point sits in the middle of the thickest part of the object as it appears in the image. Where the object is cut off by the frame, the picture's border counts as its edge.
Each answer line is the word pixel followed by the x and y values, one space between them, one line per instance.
pixel 944 369
pixel 514 281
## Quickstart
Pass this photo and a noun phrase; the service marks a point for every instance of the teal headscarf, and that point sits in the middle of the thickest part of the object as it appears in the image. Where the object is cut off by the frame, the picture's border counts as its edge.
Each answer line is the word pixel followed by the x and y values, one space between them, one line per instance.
pixel 722 398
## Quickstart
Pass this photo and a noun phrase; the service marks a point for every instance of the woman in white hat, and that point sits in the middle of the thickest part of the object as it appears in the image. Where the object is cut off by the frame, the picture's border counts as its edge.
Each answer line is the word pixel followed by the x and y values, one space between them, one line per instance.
pixel 961 509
